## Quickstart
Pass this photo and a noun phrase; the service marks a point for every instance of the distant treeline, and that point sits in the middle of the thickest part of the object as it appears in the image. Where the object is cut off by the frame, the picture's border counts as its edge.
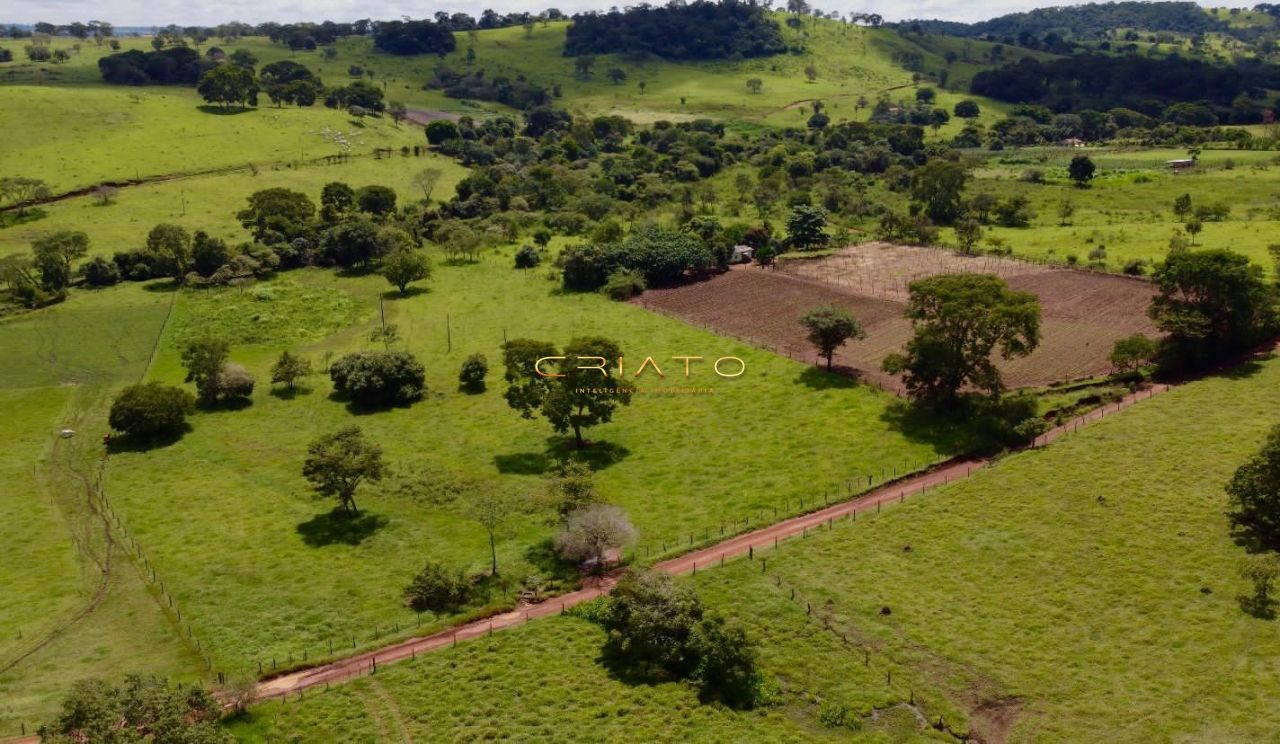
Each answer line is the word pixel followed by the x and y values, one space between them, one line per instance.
pixel 1091 21
pixel 1140 83
pixel 515 92
pixel 729 29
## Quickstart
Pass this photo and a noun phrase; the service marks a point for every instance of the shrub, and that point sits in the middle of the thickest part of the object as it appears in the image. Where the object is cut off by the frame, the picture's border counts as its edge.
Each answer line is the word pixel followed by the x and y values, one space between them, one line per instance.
pixel 527 257
pixel 99 272
pixel 624 284
pixel 379 378
pixel 474 369
pixel 1135 267
pixel 151 411
pixel 235 384
pixel 437 589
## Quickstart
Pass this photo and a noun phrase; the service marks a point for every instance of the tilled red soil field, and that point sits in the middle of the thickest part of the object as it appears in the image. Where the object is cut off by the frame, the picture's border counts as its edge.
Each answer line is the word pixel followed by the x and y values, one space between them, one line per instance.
pixel 1084 313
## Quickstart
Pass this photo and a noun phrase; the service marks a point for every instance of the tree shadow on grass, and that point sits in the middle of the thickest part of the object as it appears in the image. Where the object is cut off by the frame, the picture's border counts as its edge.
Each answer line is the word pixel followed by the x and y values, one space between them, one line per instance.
pixel 340 527
pixel 119 444
pixel 395 294
pixel 542 556
pixel 815 378
pixel 522 463
pixel 1263 608
pixel 597 455
pixel 161 286
pixel 289 393
pixel 949 432
pixel 220 111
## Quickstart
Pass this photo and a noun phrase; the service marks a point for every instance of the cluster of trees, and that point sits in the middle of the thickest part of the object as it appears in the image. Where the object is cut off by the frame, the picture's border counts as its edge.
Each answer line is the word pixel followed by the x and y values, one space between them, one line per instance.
pixel 139 708
pixel 172 66
pixel 727 29
pixel 658 630
pixel 517 92
pixel 662 256
pixel 1083 22
pixel 414 37
pixel 1176 90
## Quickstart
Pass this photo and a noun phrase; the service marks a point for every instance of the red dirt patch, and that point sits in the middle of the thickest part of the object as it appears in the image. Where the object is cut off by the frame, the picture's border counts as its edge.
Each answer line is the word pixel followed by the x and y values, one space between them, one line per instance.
pixel 1083 313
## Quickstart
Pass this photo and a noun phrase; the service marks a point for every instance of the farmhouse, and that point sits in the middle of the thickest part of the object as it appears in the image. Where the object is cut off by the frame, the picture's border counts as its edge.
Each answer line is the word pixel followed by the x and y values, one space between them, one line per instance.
pixel 1181 164
pixel 742 254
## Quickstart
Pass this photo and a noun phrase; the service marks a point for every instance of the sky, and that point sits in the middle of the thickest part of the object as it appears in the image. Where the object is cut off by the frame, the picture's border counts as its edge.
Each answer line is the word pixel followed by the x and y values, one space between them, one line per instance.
pixel 205 12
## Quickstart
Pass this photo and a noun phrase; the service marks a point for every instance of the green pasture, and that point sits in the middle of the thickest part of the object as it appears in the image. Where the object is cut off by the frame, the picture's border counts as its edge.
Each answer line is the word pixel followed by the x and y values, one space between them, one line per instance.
pixel 1083 592
pixel 264 571
pixel 1128 208
pixel 58 371
pixel 210 202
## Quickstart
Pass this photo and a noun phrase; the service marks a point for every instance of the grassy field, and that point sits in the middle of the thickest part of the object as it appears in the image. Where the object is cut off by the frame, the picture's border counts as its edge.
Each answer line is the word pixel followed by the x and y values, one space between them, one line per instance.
pixel 75 605
pixel 1128 210
pixel 1024 603
pixel 683 465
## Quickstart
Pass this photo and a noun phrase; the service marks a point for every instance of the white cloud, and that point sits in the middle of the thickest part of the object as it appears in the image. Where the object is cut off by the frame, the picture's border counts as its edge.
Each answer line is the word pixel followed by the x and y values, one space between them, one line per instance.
pixel 161 12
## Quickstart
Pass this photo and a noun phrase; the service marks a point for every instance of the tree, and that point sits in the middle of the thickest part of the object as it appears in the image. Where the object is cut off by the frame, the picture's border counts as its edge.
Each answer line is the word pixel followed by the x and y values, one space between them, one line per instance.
pixel 169 248
pixel 527 257
pixel 807 227
pixel 54 254
pixel 1193 228
pixel 472 373
pixel 587 391
pixel 968 233
pixel 397 112
pixel 288 368
pixel 405 266
pixel 378 201
pixel 379 378
pixel 926 95
pixel 810 73
pixel 754 84
pixel 235 384
pixel 338 463
pixel 427 180
pixel 437 589
pixel 1262 570
pixel 491 509
pixel 591 531
pixel 336 200
pixel 203 359
pixel 1081 170
pixel 100 272
pixel 21 192
pixel 1132 353
pixel 228 85
pixel 583 64
pixel 617 75
pixel 966 109
pixel 1211 303
pixel 277 215
pixel 1065 210
pixel 938 187
pixel 442 130
pixel 650 621
pixel 958 321
pixel 151 411
pixel 352 242
pixel 726 667
pixel 1182 206
pixel 571 487
pixel 140 708
pixel 829 328
pixel 1254 494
